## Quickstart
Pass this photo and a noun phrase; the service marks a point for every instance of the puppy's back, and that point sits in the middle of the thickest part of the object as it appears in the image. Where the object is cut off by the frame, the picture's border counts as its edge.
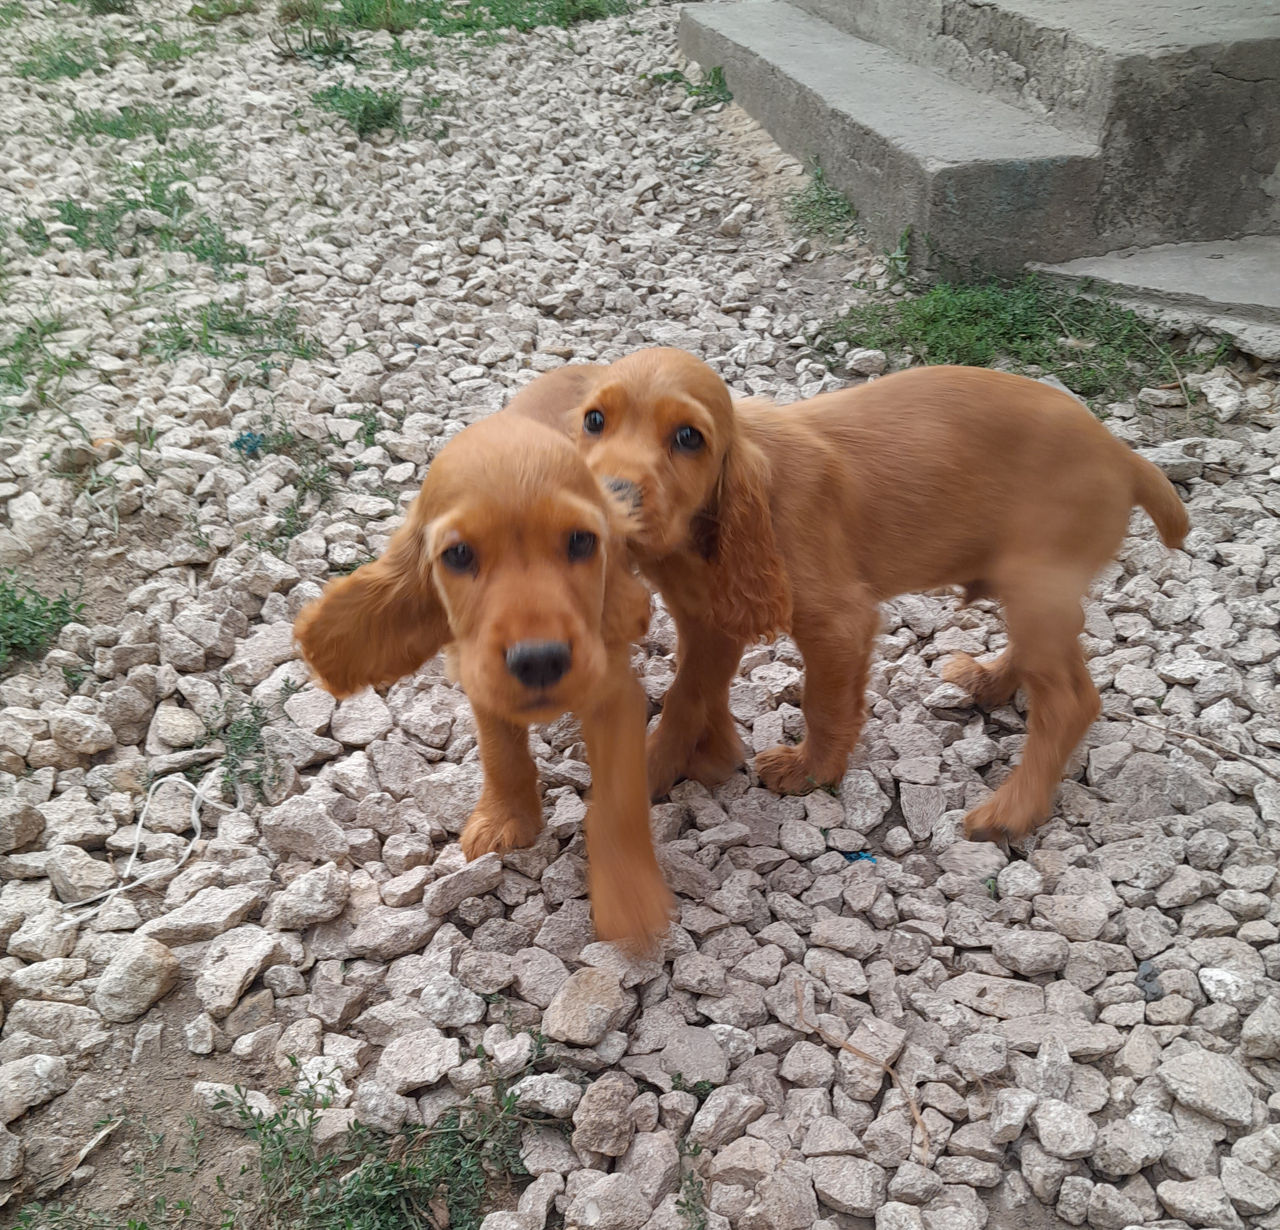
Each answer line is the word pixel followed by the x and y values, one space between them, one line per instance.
pixel 550 397
pixel 945 469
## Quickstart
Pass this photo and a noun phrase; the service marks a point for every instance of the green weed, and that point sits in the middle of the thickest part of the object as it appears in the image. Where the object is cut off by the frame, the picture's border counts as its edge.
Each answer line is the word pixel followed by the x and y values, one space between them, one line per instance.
pixel 32 232
pixel 29 620
pixel 692 1201
pixel 443 1176
pixel 366 110
pixel 11 14
pixel 700 1089
pixel 131 122
pixel 819 211
pixel 151 200
pixel 899 260
pixel 213 11
pixel 61 56
pixel 26 360
pixel 222 330
pixel 1096 348
pixel 312 485
pixel 73 677
pixel 401 56
pixel 246 761
pixel 211 245
pixel 306 12
pixel 169 50
pixel 100 8
pixel 445 17
pixel 370 428
pixel 319 43
pixel 709 89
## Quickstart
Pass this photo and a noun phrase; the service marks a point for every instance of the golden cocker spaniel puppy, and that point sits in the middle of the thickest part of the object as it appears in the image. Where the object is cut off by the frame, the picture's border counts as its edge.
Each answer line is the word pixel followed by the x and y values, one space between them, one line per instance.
pixel 756 519
pixel 511 558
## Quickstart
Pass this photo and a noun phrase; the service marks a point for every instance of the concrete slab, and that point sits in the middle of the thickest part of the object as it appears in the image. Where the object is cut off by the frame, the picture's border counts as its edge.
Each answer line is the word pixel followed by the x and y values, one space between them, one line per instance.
pixel 1154 27
pixel 975 178
pixel 1010 130
pixel 1229 286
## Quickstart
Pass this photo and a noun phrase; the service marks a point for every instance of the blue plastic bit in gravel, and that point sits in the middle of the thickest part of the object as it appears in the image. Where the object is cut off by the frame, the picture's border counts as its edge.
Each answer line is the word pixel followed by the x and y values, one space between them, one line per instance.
pixel 1147 981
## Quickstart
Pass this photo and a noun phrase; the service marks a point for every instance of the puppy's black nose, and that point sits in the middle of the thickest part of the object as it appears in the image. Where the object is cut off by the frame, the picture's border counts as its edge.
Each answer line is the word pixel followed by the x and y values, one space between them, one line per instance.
pixel 625 490
pixel 539 664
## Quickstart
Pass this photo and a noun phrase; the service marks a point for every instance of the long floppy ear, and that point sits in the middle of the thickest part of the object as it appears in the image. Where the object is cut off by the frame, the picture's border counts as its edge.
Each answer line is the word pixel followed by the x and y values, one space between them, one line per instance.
pixel 750 595
pixel 377 625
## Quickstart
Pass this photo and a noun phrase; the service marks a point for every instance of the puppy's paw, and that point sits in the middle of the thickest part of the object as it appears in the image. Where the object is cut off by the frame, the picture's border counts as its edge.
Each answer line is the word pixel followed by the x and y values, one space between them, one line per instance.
pixel 989 688
pixel 493 826
pixel 718 754
pixel 997 820
pixel 665 767
pixel 633 914
pixel 786 770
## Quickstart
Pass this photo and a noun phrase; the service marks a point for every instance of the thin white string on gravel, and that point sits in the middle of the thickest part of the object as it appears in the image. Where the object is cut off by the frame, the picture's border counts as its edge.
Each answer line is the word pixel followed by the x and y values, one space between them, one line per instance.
pixel 199 798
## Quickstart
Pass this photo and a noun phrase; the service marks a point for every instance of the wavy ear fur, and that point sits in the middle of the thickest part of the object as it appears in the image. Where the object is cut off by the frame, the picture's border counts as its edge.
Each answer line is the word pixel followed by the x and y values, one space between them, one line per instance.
pixel 377 625
pixel 750 595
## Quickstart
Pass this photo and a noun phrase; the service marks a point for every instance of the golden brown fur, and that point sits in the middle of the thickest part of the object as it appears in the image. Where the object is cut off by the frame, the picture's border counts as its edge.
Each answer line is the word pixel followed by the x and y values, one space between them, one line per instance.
pixel 804 518
pixel 519 500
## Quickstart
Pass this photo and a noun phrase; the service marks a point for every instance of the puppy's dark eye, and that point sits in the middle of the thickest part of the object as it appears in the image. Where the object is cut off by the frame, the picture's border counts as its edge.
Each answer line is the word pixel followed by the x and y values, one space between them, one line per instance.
pixel 582 545
pixel 593 422
pixel 458 558
pixel 687 439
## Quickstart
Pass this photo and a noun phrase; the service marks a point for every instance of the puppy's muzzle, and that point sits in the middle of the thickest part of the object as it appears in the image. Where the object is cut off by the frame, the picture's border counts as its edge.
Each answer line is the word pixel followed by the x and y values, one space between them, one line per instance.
pixel 539 664
pixel 626 492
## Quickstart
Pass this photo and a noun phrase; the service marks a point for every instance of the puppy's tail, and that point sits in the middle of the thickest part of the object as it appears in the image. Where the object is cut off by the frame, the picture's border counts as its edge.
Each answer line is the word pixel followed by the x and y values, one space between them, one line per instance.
pixel 1157 495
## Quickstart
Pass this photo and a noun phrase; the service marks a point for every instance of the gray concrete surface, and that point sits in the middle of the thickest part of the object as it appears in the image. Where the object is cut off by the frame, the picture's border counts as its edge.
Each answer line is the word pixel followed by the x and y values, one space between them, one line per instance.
pixel 1231 286
pixel 1181 98
pixel 969 174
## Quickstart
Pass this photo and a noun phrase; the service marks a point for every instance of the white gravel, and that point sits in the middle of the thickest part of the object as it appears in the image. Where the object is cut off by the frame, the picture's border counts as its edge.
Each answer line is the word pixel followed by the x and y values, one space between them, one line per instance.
pixel 1094 1027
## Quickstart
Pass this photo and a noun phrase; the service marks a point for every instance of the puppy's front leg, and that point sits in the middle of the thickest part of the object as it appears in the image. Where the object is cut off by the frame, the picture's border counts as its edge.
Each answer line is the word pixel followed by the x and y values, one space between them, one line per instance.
pixel 836 645
pixel 629 897
pixel 696 736
pixel 509 813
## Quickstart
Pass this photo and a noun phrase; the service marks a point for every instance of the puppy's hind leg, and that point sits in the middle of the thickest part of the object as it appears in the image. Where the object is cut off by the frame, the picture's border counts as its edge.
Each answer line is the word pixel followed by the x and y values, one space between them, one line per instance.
pixel 1045 620
pixel 508 815
pixel 837 650
pixel 991 684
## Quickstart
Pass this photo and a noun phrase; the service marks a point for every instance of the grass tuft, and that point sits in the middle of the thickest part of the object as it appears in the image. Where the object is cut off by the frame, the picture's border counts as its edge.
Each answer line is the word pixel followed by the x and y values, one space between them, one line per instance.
pixel 1096 348
pixel 211 12
pixel 26 360
pixel 317 43
pixel 819 211
pixel 246 760
pixel 366 110
pixel 709 89
pixel 447 1175
pixel 223 330
pixel 131 122
pixel 29 620
pixel 445 17
pixel 60 57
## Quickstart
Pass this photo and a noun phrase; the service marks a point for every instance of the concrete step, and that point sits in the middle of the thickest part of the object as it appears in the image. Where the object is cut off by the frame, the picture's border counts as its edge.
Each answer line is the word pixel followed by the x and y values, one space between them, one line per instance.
pixel 1174 92
pixel 1230 286
pixel 1058 58
pixel 978 180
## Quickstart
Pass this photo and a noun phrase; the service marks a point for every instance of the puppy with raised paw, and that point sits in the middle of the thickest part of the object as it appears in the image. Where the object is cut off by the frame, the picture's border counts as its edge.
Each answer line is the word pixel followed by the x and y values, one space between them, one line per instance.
pixel 512 559
pixel 756 519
